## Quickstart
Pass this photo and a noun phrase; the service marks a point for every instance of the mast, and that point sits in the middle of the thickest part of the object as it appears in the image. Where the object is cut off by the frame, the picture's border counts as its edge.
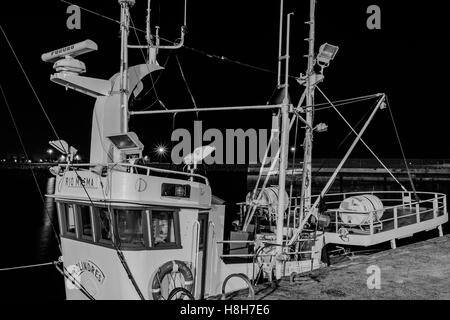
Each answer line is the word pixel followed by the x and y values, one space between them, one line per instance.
pixel 124 29
pixel 283 156
pixel 307 157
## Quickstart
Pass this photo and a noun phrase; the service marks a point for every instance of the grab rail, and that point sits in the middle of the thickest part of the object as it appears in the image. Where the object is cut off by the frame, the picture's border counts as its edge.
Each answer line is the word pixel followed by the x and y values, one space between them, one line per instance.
pixel 147 169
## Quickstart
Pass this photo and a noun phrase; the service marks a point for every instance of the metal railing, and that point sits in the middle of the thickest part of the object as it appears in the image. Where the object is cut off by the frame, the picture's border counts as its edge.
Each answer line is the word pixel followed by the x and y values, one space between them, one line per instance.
pixel 402 210
pixel 136 169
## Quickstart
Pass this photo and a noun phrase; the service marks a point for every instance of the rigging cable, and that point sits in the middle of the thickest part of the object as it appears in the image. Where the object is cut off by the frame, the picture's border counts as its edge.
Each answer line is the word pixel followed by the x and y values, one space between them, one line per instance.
pixel 83 290
pixel 57 136
pixel 209 55
pixel 30 166
pixel 30 266
pixel 322 164
pixel 116 240
pixel 187 85
pixel 363 142
pixel 148 68
pixel 402 151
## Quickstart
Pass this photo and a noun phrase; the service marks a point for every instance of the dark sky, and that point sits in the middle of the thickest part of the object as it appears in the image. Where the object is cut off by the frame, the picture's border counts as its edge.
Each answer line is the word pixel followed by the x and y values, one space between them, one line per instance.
pixel 406 59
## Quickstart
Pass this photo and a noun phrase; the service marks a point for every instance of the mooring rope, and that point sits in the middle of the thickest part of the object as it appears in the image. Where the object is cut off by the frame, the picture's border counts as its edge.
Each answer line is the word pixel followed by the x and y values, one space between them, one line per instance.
pixel 30 266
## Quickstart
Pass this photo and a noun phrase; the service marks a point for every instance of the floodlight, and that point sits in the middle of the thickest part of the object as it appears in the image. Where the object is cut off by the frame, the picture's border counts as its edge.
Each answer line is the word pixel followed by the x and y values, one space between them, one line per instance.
pixel 326 54
pixel 321 127
pixel 127 143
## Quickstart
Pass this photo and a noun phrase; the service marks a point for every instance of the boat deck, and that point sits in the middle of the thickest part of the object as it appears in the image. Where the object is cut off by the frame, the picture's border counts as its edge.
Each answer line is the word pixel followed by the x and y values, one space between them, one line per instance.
pixel 400 219
pixel 416 271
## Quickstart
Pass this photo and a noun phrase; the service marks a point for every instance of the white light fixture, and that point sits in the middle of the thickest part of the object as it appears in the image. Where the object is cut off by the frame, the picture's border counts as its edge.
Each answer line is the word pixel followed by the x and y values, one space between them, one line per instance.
pixel 128 143
pixel 327 52
pixel 321 127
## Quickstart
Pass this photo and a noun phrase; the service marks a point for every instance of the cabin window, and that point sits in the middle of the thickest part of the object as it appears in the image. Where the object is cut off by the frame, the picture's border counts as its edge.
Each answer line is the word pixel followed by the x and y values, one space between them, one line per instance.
pixel 104 225
pixel 86 222
pixel 131 227
pixel 164 229
pixel 69 219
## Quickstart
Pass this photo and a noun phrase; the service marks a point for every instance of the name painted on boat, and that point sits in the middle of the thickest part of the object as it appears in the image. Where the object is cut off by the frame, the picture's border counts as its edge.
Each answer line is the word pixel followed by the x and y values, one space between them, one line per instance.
pixel 79 182
pixel 92 268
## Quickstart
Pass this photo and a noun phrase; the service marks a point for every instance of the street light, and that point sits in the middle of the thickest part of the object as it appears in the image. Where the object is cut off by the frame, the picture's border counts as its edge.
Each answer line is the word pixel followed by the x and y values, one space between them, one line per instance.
pixel 161 150
pixel 50 151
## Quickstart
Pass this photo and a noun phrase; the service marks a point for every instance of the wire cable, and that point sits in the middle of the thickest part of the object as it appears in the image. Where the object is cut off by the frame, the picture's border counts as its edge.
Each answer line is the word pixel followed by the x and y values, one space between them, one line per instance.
pixel 187 85
pixel 148 68
pixel 363 142
pixel 30 166
pixel 402 151
pixel 29 266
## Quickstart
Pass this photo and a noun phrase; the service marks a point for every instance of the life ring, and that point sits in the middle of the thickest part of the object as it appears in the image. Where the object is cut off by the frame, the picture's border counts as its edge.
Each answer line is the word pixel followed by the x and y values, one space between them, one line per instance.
pixel 251 290
pixel 166 269
pixel 182 291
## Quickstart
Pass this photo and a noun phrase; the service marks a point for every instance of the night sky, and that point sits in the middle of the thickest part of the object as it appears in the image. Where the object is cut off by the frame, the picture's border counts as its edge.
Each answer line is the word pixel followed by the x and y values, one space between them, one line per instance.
pixel 406 59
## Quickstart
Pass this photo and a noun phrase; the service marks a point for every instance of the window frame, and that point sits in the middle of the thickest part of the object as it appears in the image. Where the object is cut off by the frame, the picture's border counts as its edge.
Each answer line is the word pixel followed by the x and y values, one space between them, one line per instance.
pixel 176 229
pixel 80 222
pixel 98 227
pixel 96 239
pixel 62 211
pixel 145 227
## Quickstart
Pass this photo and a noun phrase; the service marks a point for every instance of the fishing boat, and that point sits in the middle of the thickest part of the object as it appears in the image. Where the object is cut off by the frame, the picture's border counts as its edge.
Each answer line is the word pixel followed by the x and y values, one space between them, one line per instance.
pixel 131 231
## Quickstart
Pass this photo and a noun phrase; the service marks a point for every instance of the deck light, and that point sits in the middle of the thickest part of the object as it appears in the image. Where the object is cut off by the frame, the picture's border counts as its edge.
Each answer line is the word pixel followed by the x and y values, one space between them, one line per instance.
pixel 321 127
pixel 128 143
pixel 326 53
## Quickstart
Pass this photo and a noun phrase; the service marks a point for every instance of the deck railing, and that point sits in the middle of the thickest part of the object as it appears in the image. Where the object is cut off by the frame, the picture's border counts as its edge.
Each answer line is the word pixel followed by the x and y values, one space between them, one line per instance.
pixel 400 209
pixel 136 169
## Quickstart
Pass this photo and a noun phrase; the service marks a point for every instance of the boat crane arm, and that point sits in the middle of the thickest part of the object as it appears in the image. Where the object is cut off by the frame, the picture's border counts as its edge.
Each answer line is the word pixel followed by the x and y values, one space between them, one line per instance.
pixel 313 208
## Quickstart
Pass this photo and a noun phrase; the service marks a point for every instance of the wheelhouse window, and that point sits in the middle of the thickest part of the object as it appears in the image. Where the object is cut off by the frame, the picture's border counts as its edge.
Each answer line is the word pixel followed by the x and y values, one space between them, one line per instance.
pixel 69 219
pixel 131 228
pixel 104 225
pixel 85 221
pixel 164 229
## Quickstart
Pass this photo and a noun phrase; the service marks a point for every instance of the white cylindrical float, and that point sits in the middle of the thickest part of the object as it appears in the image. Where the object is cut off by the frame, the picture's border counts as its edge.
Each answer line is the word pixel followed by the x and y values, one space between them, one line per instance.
pixel 361 209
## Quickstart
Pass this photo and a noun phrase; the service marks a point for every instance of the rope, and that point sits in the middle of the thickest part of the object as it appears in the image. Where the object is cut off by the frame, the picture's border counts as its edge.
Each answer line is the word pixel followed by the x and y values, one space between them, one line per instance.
pixel 116 243
pixel 187 85
pixel 31 168
pixel 402 151
pixel 29 266
pixel 57 136
pixel 31 86
pixel 363 142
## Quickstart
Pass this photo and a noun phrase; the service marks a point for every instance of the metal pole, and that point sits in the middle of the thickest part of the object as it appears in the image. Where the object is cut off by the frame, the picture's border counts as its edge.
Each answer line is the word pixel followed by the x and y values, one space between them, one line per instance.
pixel 283 160
pixel 124 26
pixel 305 201
pixel 262 107
pixel 336 171
pixel 280 44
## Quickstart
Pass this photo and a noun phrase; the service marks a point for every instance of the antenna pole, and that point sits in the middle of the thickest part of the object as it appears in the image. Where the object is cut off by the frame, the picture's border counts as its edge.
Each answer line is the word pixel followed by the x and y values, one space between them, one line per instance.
pixel 307 156
pixel 283 159
pixel 124 29
pixel 280 44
